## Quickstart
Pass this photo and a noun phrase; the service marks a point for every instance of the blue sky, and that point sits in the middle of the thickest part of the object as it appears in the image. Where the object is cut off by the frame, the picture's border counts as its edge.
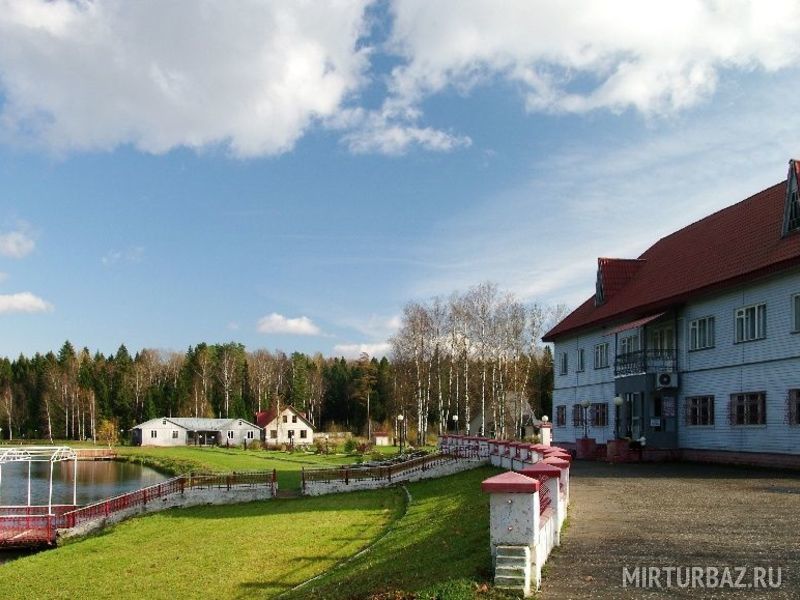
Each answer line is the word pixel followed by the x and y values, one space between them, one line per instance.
pixel 288 176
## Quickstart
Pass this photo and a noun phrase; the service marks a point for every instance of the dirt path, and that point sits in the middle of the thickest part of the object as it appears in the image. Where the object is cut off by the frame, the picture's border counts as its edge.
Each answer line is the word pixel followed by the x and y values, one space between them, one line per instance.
pixel 679 515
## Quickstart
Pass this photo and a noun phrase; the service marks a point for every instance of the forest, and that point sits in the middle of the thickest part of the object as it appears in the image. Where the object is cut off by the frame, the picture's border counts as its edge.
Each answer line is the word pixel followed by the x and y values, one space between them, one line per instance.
pixel 473 354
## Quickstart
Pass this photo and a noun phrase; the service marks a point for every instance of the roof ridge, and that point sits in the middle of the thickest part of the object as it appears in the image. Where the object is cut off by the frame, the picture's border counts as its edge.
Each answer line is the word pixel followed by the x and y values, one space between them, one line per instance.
pixel 712 215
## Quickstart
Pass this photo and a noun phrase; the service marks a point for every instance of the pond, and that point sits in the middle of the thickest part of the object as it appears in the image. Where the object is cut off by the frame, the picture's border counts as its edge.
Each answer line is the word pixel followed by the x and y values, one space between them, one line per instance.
pixel 96 480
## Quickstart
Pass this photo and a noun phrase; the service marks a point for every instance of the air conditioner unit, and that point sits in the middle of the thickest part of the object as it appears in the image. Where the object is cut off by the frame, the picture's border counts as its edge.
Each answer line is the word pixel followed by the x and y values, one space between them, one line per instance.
pixel 666 380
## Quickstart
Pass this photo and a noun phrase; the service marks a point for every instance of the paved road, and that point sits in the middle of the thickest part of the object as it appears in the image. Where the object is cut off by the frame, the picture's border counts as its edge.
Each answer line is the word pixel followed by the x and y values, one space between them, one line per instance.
pixel 676 515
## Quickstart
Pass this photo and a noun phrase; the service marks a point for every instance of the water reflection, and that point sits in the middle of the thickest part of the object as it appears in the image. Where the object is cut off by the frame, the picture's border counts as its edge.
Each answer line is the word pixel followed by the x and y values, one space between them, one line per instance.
pixel 96 480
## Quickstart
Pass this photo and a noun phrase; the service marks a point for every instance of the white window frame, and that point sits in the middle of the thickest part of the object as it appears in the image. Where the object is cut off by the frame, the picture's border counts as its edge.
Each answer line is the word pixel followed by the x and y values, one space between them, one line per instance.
pixel 153 433
pixel 750 323
pixel 702 333
pixel 174 434
pixel 303 434
pixel 580 362
pixel 746 400
pixel 563 364
pixel 698 407
pixel 601 356
pixel 795 308
pixel 629 344
pixel 230 434
pixel 250 434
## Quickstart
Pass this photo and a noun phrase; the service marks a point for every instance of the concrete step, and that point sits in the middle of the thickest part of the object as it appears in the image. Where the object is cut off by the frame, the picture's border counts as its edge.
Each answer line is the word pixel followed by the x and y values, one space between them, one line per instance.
pixel 510 561
pixel 513 551
pixel 509 583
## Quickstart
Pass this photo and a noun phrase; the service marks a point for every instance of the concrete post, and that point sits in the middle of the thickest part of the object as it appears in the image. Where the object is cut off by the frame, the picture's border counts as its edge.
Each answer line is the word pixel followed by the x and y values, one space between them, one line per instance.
pixel 564 466
pixel 551 476
pixel 546 430
pixel 513 528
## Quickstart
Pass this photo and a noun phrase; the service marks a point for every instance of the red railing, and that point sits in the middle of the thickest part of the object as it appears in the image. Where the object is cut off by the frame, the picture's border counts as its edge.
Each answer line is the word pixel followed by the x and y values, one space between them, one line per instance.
pixel 32 530
pixel 544 493
pixel 22 526
pixel 386 473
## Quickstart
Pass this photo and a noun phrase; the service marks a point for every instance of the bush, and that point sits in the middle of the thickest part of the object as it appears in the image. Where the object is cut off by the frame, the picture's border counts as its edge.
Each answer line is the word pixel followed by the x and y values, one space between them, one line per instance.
pixel 363 447
pixel 350 446
pixel 252 444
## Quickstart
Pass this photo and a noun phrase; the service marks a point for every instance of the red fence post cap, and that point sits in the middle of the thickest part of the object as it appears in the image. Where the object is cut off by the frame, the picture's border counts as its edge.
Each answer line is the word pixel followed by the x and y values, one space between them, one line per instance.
pixel 541 469
pixel 510 483
pixel 556 462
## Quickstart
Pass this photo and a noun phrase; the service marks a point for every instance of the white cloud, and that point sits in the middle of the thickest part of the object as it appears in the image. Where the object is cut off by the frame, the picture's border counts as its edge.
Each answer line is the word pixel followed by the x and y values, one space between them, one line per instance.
pixel 542 240
pixel 275 323
pixel 23 302
pixel 656 58
pixel 16 244
pixel 250 76
pixel 134 254
pixel 378 350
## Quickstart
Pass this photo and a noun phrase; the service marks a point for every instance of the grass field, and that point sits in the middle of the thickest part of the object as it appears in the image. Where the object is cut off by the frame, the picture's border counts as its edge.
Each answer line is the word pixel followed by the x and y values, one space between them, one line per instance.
pixel 251 550
pixel 437 549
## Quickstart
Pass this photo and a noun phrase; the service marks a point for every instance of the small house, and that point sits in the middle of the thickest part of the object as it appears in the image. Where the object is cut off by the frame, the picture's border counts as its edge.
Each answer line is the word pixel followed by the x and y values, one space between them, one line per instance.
pixel 381 438
pixel 290 427
pixel 180 431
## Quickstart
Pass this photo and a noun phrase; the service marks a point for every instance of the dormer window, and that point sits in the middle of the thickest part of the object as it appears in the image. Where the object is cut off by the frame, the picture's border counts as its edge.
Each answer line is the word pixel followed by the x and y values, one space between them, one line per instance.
pixel 791 214
pixel 598 294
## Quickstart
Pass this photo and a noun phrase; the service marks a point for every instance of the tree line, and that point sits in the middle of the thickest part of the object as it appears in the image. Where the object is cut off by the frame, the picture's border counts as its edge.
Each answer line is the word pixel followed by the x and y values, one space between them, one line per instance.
pixel 475 353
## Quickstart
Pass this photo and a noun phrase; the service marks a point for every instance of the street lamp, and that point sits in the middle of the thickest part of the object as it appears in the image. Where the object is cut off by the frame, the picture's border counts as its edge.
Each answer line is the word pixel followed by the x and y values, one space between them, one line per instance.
pixel 400 419
pixel 326 443
pixel 455 423
pixel 618 403
pixel 586 404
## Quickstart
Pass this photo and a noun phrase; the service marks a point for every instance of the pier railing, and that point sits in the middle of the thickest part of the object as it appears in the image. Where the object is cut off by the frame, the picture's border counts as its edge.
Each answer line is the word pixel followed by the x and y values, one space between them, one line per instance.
pixel 30 526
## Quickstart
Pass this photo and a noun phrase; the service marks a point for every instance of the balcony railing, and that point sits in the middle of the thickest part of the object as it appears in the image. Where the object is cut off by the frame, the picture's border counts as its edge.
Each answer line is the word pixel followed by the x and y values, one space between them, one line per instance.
pixel 645 361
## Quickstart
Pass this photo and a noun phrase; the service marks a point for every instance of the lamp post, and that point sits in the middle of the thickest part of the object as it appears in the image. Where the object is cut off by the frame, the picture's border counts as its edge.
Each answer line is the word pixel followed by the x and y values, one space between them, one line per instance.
pixel 455 423
pixel 586 404
pixel 326 443
pixel 400 419
pixel 618 404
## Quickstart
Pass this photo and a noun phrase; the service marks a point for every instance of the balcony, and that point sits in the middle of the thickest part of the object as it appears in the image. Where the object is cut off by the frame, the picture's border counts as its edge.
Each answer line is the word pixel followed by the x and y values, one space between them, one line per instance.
pixel 645 361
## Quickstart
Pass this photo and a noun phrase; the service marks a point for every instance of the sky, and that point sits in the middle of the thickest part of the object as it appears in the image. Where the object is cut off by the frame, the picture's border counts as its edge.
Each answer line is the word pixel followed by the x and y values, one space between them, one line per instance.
pixel 289 174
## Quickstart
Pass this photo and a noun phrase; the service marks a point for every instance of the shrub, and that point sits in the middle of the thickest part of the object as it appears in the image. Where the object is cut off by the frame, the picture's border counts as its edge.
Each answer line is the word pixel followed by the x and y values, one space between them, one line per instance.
pixel 350 446
pixel 363 447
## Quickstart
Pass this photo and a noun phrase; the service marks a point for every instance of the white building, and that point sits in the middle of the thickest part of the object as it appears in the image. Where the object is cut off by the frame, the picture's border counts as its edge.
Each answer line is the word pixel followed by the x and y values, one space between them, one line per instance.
pixel 697 340
pixel 179 431
pixel 290 427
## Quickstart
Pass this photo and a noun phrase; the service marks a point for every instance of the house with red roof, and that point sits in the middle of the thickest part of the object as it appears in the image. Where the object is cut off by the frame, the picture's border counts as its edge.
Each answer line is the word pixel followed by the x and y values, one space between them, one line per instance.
pixel 290 427
pixel 694 346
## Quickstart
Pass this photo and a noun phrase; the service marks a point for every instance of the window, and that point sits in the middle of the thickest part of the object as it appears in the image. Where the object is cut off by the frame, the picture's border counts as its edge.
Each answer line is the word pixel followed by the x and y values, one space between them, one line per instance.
pixel 291 433
pixel 579 362
pixel 700 410
pixel 163 421
pixel 748 408
pixel 174 434
pixel 629 344
pixel 294 418
pixel 250 434
pixel 796 313
pixel 794 407
pixel 577 415
pixel 303 433
pixel 751 323
pixel 273 434
pixel 285 419
pixel 601 356
pixel 240 423
pixel 599 414
pixel 230 435
pixel 562 365
pixel 561 416
pixel 793 218
pixel 153 433
pixel 701 333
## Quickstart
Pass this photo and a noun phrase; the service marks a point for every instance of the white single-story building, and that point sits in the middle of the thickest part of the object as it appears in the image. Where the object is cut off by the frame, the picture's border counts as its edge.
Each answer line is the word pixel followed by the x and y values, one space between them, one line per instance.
pixel 290 427
pixel 180 431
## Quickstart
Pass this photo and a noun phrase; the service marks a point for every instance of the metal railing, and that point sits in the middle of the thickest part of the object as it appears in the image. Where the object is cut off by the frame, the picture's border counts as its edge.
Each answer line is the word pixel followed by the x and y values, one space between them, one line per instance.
pixel 645 361
pixel 22 526
pixel 388 473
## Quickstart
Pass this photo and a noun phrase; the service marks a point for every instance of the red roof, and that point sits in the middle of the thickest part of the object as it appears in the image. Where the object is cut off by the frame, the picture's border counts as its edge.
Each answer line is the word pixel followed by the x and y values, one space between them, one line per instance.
pixel 738 243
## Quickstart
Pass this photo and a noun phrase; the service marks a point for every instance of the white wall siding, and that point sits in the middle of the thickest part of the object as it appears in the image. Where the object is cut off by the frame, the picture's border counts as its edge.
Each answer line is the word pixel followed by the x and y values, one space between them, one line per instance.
pixel 595 385
pixel 163 433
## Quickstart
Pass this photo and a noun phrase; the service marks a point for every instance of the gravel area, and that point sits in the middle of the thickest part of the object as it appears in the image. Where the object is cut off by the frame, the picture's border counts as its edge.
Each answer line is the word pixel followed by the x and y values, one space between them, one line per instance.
pixel 676 515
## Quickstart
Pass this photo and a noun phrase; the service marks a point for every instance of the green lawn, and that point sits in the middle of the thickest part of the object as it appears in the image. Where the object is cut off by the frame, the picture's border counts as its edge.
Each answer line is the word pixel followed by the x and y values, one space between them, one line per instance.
pixel 438 550
pixel 253 550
